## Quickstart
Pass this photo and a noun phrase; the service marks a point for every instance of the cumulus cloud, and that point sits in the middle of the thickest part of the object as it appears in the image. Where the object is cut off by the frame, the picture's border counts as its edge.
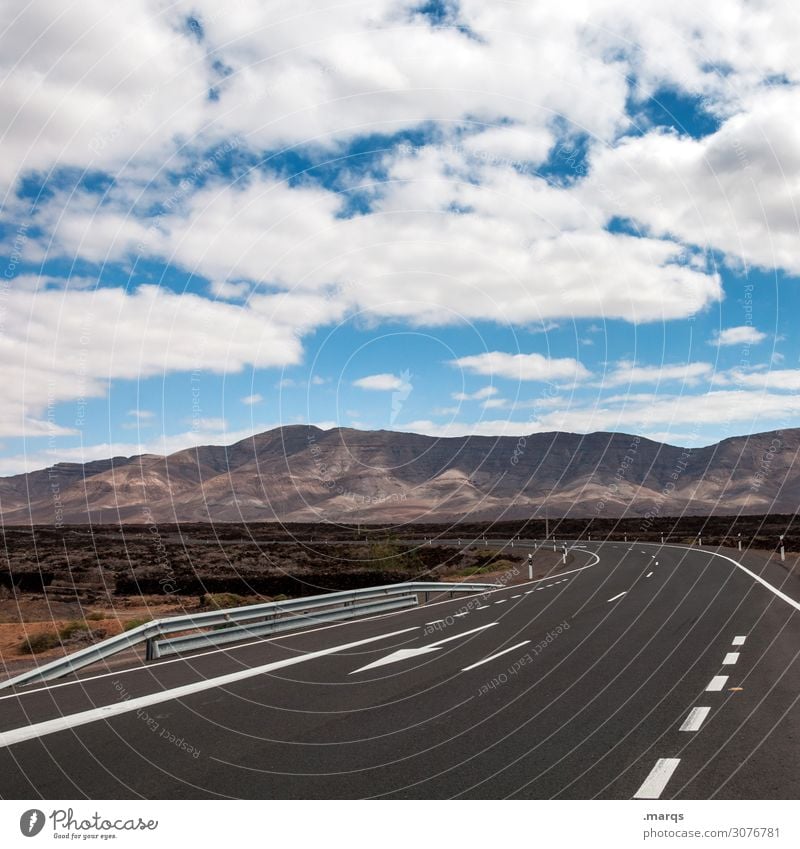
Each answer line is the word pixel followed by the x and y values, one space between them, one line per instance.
pixel 251 400
pixel 465 228
pixel 627 372
pixel 522 367
pixel 478 395
pixel 744 335
pixel 67 346
pixel 382 382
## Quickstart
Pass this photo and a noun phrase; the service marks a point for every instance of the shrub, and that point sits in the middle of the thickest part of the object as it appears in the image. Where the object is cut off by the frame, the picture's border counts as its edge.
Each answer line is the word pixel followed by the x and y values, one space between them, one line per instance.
pixel 71 628
pixel 223 600
pixel 40 642
pixel 134 623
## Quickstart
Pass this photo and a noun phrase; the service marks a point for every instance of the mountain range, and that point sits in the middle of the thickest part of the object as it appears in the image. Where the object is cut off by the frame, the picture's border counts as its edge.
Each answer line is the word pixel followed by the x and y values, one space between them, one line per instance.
pixel 303 473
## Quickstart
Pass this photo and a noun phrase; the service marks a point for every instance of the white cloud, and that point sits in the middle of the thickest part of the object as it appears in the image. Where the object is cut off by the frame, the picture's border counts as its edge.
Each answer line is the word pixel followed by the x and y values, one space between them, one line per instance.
pixel 66 346
pixel 251 400
pixel 382 383
pixel 786 379
pixel 522 366
pixel 479 394
pixel 627 372
pixel 653 414
pixel 141 415
pixel 736 191
pixel 744 335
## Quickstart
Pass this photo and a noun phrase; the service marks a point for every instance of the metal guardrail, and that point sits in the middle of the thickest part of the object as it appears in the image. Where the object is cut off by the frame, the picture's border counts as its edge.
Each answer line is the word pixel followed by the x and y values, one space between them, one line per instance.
pixel 236 633
pixel 150 631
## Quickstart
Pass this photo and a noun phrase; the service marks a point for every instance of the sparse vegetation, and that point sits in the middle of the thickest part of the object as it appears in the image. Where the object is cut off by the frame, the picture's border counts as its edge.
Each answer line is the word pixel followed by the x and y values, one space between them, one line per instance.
pixel 134 623
pixel 37 643
pixel 221 600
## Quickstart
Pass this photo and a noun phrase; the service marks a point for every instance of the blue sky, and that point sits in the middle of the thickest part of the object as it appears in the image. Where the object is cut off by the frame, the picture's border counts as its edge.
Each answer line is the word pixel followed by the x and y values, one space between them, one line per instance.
pixel 412 217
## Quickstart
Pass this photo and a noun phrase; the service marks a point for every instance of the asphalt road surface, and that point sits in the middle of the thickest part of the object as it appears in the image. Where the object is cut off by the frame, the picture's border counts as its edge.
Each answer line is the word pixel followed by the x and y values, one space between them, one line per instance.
pixel 641 672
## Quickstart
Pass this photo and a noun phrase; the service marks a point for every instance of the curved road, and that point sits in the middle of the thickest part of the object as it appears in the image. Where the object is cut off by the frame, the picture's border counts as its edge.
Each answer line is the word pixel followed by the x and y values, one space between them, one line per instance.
pixel 642 671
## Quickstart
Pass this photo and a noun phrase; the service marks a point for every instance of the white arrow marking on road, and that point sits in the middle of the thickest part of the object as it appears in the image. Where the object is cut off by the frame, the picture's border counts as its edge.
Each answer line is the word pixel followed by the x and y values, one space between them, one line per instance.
pixel 404 654
pixel 51 726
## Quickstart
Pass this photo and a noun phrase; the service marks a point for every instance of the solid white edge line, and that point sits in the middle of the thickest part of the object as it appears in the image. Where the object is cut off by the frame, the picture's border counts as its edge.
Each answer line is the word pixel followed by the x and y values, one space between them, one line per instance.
pixel 730 658
pixel 717 683
pixel 494 656
pixel 62 723
pixel 695 719
pixel 617 596
pixel 738 641
pixel 653 786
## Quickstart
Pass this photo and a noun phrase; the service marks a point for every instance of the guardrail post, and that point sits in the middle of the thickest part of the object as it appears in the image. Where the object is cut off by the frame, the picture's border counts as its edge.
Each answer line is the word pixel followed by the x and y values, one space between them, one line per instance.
pixel 151 651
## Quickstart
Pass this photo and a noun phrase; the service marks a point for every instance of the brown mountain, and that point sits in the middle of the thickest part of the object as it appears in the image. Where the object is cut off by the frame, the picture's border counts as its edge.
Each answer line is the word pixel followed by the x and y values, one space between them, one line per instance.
pixel 302 473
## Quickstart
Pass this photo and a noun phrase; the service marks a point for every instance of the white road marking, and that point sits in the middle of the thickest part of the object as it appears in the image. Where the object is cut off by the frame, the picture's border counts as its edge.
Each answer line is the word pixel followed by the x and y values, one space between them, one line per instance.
pixel 617 596
pixel 457 615
pixel 405 654
pixel 730 658
pixel 775 590
pixel 517 596
pixel 695 719
pixel 547 586
pixel 483 607
pixel 660 774
pixel 435 622
pixel 493 656
pixel 501 601
pixel 528 592
pixel 738 641
pixel 717 683
pixel 51 726
pixel 648 574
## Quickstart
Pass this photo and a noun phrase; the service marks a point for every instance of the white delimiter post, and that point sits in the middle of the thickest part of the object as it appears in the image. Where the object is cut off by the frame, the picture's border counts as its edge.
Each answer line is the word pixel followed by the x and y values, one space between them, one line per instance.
pixel 530 567
pixel 740 542
pixel 783 551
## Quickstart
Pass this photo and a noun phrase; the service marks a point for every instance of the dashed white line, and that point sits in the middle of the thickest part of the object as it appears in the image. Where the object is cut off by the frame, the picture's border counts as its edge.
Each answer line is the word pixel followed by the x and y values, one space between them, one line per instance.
pixel 483 607
pixel 501 601
pixel 617 596
pixel 730 658
pixel 528 592
pixel 649 574
pixel 462 613
pixel 695 719
pixel 493 656
pixel 660 774
pixel 717 683
pixel 517 596
pixel 738 641
pixel 435 622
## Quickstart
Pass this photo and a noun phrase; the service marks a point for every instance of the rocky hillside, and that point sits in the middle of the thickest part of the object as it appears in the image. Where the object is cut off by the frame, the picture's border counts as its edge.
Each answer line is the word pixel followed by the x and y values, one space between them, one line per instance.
pixel 302 473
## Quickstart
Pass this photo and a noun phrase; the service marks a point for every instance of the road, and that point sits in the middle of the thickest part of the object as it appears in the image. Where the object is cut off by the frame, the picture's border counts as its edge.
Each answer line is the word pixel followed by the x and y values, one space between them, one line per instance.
pixel 640 672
